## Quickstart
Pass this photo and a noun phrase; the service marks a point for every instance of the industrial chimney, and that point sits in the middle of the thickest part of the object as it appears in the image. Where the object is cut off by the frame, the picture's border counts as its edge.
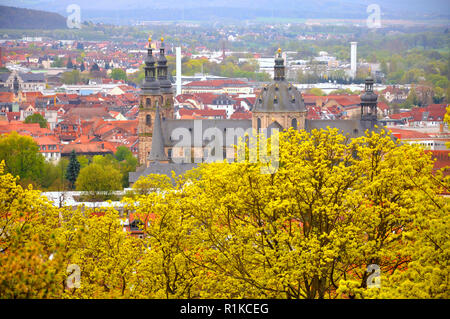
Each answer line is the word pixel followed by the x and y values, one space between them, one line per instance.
pixel 178 66
pixel 353 58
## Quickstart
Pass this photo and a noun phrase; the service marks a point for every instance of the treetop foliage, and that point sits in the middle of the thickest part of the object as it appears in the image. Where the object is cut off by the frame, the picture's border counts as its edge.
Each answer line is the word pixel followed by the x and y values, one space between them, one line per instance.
pixel 224 230
pixel 36 118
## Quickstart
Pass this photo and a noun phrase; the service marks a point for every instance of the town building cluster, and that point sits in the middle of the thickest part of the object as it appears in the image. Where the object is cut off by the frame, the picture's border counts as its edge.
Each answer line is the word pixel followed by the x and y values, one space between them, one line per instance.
pixel 96 116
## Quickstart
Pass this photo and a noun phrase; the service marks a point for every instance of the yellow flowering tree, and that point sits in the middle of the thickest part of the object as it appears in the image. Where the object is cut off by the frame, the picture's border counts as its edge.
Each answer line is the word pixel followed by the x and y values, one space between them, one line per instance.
pixel 338 218
pixel 309 230
pixel 28 242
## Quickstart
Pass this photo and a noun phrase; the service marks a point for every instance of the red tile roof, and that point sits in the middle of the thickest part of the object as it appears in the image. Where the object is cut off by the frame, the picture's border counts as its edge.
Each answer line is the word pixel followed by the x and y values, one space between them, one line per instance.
pixel 6 97
pixel 442 160
pixel 436 113
pixel 203 113
pixel 407 134
pixel 344 100
pixel 48 140
pixel 31 129
pixel 86 148
pixel 241 116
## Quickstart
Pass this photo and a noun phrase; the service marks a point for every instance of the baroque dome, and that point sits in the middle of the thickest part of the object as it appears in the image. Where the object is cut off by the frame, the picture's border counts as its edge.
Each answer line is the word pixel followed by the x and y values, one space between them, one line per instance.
pixel 279 96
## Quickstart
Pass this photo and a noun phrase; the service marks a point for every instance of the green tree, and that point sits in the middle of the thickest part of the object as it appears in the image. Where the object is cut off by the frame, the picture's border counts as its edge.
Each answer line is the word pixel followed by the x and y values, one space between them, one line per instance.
pixel 95 67
pixel 36 118
pixel 69 64
pixel 411 100
pixel 343 91
pixel 99 181
pixel 73 169
pixel 151 183
pixel 317 92
pixel 439 95
pixel 118 74
pixel 384 67
pixel 126 163
pixel 72 77
pixel 126 166
pixel 22 157
pixel 83 160
pixel 57 62
pixel 50 174
pixel 122 152
pixel 54 176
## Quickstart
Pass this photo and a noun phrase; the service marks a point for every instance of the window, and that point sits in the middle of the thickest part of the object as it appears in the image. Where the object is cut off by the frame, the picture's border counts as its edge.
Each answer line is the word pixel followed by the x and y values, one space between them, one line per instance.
pixel 136 225
pixel 258 124
pixel 294 123
pixel 148 120
pixel 148 102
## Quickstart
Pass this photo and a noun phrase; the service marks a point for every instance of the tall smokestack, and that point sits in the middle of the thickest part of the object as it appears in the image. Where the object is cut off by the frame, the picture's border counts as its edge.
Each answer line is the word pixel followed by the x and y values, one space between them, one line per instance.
pixel 178 57
pixel 353 58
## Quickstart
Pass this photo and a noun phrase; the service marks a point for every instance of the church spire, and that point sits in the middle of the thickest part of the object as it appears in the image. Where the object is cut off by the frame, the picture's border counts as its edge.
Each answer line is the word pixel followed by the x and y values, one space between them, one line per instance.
pixel 369 102
pixel 150 85
pixel 166 85
pixel 162 62
pixel 157 153
pixel 279 70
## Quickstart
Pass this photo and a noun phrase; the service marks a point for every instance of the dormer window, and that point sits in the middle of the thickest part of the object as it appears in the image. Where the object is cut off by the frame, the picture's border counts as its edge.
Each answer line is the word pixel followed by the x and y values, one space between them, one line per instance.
pixel 136 225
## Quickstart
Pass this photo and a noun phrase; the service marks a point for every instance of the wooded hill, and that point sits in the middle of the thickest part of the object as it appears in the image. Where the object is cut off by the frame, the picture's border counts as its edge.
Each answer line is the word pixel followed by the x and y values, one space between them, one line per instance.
pixel 19 18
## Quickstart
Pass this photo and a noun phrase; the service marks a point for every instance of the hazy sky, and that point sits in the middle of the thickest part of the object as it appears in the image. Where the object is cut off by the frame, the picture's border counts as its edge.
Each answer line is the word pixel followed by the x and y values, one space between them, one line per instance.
pixel 344 9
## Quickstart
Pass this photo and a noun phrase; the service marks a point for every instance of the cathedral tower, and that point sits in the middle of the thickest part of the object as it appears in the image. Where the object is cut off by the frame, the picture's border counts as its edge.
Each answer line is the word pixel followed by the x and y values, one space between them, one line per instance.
pixel 280 105
pixel 165 84
pixel 149 99
pixel 369 105
pixel 156 94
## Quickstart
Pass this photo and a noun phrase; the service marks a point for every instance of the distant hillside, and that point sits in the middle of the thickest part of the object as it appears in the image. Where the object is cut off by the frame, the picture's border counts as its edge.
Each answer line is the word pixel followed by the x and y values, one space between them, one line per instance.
pixel 18 18
pixel 131 11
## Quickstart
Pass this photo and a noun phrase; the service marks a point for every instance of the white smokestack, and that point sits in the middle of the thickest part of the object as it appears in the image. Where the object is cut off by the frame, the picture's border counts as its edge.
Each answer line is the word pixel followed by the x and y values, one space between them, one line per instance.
pixel 353 58
pixel 178 58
